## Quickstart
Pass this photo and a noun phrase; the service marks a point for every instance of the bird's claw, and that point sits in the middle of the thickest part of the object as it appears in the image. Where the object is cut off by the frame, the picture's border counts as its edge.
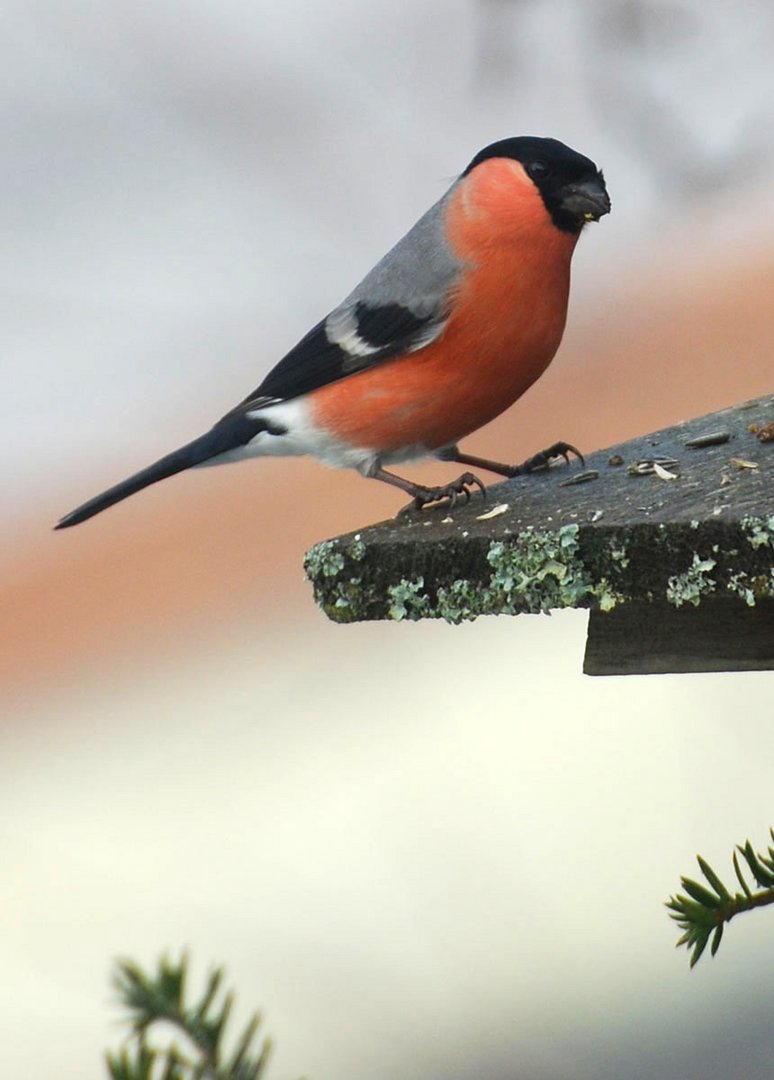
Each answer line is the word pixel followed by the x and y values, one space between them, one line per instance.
pixel 543 459
pixel 426 496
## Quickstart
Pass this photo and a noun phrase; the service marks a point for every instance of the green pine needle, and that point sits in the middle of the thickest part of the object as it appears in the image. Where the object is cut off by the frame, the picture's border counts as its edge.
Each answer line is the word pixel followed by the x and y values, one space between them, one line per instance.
pixel 161 997
pixel 702 914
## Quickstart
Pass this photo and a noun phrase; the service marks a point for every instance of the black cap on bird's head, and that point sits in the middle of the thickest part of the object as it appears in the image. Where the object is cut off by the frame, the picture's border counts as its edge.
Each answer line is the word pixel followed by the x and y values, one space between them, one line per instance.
pixel 571 186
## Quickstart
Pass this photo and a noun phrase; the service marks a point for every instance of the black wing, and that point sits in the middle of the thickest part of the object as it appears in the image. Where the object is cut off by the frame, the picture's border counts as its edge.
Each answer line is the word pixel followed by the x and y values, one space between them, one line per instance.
pixel 352 338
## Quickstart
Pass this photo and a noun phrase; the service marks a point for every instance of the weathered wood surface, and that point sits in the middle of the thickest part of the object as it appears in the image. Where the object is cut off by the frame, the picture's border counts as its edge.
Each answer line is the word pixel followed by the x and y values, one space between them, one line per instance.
pixel 668 550
pixel 651 638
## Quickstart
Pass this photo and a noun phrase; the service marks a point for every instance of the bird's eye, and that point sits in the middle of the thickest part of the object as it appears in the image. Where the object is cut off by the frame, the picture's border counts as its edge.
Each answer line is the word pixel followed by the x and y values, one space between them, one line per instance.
pixel 538 170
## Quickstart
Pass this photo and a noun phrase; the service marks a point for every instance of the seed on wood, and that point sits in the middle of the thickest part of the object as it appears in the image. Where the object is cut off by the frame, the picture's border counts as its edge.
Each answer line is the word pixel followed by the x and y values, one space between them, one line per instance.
pixel 580 478
pixel 712 438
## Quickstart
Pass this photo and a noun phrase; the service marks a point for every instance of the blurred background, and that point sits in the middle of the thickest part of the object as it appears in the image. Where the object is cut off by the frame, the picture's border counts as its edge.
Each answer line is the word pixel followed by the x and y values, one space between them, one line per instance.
pixel 423 850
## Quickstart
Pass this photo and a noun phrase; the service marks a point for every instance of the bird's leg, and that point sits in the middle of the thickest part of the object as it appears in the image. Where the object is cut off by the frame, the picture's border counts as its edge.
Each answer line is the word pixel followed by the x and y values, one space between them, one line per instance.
pixel 423 496
pixel 537 461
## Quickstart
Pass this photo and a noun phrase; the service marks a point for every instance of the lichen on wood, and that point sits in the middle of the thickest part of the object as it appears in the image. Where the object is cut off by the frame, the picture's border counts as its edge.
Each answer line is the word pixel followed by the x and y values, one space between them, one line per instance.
pixel 679 517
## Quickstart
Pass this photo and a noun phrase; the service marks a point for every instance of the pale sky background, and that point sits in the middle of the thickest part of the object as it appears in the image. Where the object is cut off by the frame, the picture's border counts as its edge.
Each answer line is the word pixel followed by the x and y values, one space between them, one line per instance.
pixel 422 851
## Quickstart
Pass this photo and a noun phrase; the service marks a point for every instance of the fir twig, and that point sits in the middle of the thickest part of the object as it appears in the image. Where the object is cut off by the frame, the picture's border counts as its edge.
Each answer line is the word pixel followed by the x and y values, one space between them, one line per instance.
pixel 152 999
pixel 704 912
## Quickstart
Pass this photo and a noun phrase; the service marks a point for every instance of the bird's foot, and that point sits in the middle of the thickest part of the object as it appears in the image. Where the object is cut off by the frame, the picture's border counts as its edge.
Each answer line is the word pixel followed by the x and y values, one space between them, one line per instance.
pixel 542 459
pixel 426 496
pixel 537 461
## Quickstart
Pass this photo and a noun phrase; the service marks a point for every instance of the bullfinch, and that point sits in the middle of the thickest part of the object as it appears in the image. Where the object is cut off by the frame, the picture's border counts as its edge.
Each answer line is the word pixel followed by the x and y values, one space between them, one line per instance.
pixel 441 336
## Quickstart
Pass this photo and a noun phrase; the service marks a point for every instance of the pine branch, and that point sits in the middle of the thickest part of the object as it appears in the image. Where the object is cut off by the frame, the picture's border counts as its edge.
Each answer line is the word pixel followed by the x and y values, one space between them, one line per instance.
pixel 152 999
pixel 704 912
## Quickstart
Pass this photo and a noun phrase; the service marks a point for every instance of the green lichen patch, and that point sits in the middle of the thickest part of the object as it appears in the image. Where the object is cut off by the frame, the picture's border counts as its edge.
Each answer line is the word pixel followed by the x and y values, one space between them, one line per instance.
pixel 606 596
pixel 619 554
pixel 356 549
pixel 759 531
pixel 404 574
pixel 459 602
pixel 339 592
pixel 541 570
pixel 533 572
pixel 751 587
pixel 323 560
pixel 740 585
pixel 458 578
pixel 408 600
pixel 695 582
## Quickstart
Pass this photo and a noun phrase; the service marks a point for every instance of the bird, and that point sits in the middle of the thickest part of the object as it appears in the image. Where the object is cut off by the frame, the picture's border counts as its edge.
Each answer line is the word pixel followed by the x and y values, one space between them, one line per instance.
pixel 445 332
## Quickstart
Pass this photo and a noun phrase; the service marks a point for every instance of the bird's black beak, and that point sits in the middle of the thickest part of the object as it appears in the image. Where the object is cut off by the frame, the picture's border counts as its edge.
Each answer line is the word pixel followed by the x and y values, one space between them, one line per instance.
pixel 587 201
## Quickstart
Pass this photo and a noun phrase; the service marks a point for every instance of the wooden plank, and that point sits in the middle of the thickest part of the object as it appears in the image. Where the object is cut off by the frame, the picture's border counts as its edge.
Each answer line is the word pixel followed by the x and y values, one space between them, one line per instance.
pixel 677 519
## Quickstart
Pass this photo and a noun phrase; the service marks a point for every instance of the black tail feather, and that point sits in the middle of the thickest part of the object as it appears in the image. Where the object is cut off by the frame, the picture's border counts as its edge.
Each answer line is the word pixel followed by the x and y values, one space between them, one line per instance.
pixel 226 435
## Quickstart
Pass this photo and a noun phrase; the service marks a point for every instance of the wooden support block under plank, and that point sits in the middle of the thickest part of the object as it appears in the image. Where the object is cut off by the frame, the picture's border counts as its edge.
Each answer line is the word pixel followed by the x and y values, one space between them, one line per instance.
pixel 721 634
